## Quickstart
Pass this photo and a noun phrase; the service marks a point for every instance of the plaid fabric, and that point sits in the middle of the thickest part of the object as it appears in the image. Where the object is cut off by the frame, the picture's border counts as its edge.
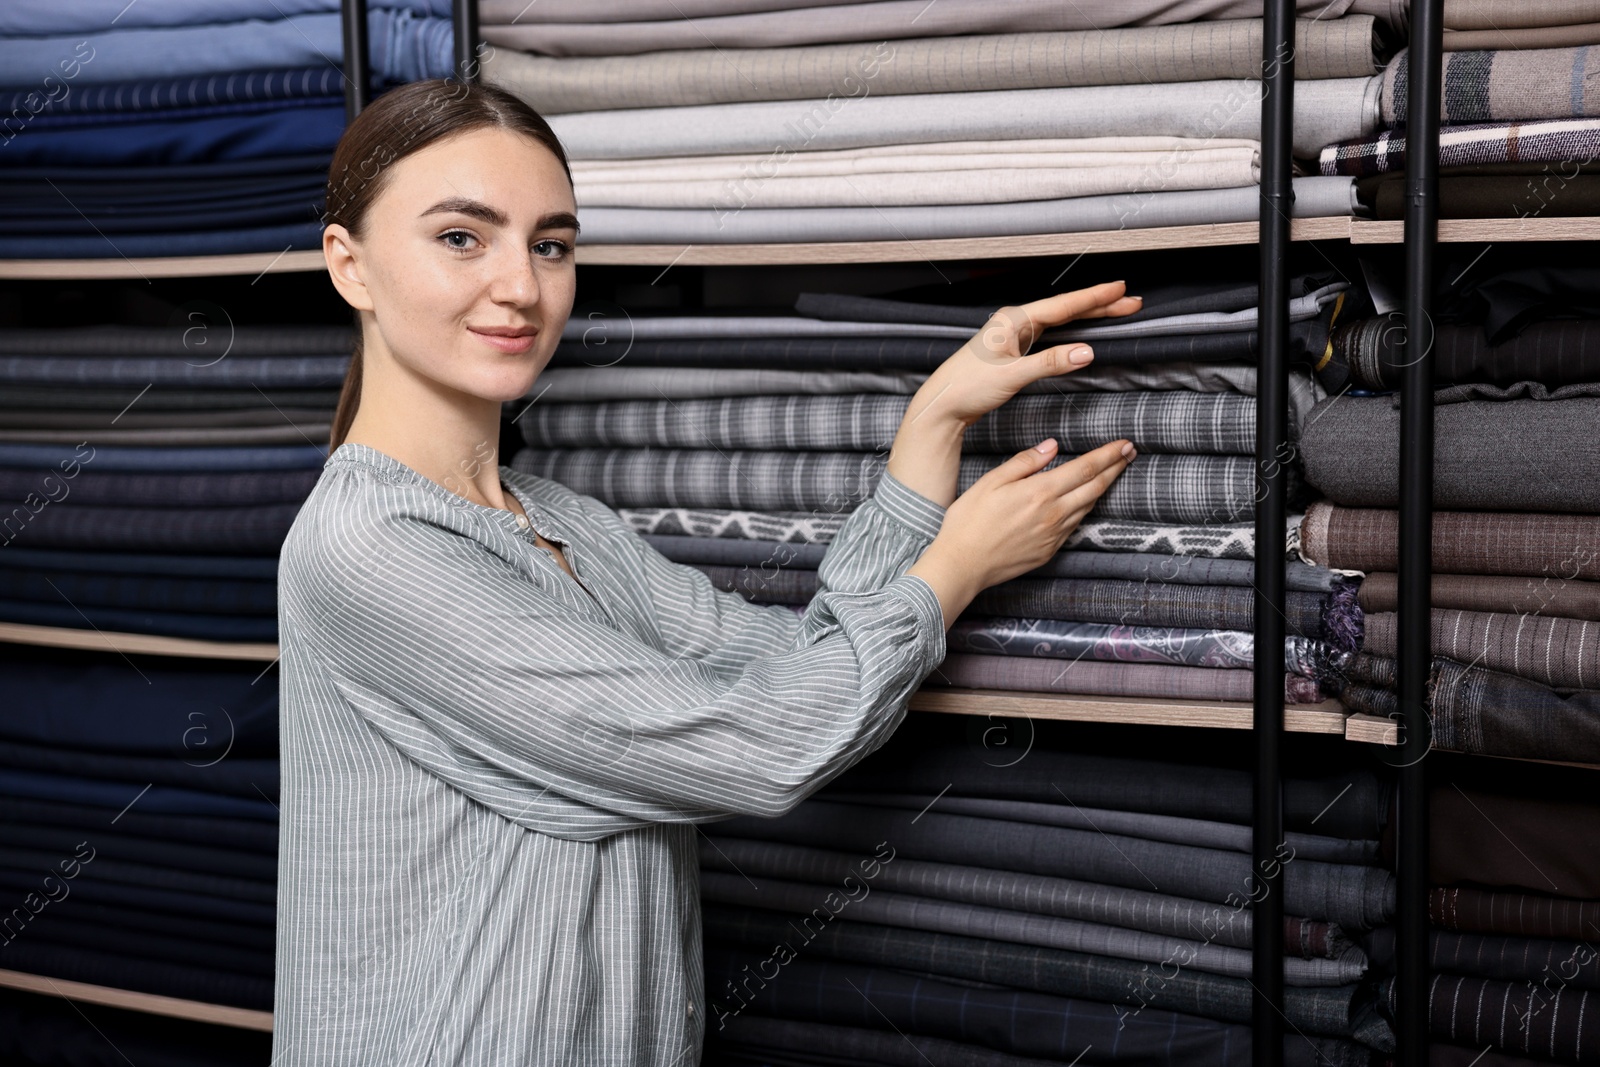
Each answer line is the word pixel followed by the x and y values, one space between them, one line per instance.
pixel 1556 141
pixel 1177 421
pixel 1548 1021
pixel 1155 488
pixel 1464 542
pixel 1502 85
pixel 1522 914
pixel 1562 653
pixel 1516 959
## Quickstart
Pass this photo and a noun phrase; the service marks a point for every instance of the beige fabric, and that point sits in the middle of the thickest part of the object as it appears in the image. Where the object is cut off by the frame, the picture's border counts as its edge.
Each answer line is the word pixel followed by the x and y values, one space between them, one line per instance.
pixel 1513 40
pixel 1517 14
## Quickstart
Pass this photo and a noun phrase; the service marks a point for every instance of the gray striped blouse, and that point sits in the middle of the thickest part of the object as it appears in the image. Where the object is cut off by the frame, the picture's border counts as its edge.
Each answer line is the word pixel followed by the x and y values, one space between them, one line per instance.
pixel 491 772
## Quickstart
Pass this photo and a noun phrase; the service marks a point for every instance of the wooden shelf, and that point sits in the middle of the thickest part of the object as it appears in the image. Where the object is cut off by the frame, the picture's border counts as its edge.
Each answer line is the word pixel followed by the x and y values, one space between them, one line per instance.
pixel 1509 231
pixel 221 1015
pixel 252 263
pixel 1327 717
pixel 135 644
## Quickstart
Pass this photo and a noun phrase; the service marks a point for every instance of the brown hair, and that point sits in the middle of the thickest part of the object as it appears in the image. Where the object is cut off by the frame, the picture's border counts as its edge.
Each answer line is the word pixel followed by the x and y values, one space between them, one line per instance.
pixel 402 121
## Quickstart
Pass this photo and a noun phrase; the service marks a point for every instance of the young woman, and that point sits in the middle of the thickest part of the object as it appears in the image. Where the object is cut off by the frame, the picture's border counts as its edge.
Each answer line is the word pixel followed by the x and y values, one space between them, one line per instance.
pixel 503 711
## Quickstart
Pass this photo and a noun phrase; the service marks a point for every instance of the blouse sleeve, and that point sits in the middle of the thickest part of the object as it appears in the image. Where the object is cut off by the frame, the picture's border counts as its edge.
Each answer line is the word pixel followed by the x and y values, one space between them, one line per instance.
pixel 474 671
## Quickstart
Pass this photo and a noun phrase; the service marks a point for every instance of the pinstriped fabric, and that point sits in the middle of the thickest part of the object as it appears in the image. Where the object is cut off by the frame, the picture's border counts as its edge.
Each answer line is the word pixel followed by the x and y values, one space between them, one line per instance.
pixel 1550 1023
pixel 196 91
pixel 1517 959
pixel 491 771
pixel 1176 421
pixel 1154 488
pixel 1524 914
pixel 1564 653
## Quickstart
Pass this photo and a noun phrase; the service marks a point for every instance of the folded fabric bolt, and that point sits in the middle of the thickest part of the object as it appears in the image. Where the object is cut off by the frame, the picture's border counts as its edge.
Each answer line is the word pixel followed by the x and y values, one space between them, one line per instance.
pixel 170 94
pixel 1564 143
pixel 1529 37
pixel 250 839
pixel 154 489
pixel 302 457
pixel 970 920
pixel 604 348
pixel 1554 353
pixel 1058 639
pixel 105 869
pixel 223 531
pixel 248 419
pixel 125 895
pixel 1501 86
pixel 1188 52
pixel 1314 198
pixel 401 46
pixel 92 15
pixel 1489 593
pixel 70 929
pixel 288 433
pixel 73 398
pixel 1354 896
pixel 196 342
pixel 295 372
pixel 926 762
pixel 1572 963
pixel 213 860
pixel 1096 678
pixel 167 593
pixel 1518 914
pixel 1175 421
pixel 290 130
pixel 237 776
pixel 1135 909
pixel 157 799
pixel 249 204
pixel 927 176
pixel 1465 542
pixel 185 981
pixel 1154 488
pixel 130 620
pixel 1552 1024
pixel 763 27
pixel 1493 839
pixel 1171 828
pixel 1098 12
pixel 1514 455
pixel 279 238
pixel 1564 653
pixel 1537 191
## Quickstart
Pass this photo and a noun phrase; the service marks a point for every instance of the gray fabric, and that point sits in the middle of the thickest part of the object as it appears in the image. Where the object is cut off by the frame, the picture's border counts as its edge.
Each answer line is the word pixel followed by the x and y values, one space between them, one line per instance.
pixel 287 433
pixel 1190 52
pixel 1340 109
pixel 1084 677
pixel 1512 455
pixel 470 820
pixel 1316 197
pixel 1563 653
pixel 1153 488
pixel 1155 422
pixel 505 23
pixel 1135 909
pixel 1098 13
pixel 1020 927
pixel 1150 827
pixel 1356 897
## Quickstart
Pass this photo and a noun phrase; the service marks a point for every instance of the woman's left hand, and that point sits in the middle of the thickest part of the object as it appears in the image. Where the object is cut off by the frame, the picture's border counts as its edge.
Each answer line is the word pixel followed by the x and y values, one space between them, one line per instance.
pixel 995 364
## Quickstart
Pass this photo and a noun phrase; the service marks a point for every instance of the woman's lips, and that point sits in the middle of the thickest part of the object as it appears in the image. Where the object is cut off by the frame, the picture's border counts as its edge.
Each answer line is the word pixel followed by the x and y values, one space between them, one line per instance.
pixel 510 345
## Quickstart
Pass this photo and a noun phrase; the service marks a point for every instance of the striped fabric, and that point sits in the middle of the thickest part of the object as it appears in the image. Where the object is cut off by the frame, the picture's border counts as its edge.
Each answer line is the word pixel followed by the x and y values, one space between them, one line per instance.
pixel 492 772
pixel 1563 653
pixel 166 94
pixel 1523 914
pixel 1547 1022
pixel 1175 421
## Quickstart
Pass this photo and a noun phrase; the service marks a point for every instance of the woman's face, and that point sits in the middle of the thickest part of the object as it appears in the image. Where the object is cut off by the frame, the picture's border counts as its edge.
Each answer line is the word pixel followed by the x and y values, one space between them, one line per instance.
pixel 467 262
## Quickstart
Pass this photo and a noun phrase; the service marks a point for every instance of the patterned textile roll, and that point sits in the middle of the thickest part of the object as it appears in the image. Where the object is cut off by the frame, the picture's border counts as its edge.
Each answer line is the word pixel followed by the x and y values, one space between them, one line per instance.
pixel 1520 914
pixel 1502 86
pixel 1464 542
pixel 1562 653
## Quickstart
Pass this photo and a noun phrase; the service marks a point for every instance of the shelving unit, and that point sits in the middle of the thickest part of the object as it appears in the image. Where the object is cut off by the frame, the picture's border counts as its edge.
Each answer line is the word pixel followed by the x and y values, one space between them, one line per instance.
pixel 172 1007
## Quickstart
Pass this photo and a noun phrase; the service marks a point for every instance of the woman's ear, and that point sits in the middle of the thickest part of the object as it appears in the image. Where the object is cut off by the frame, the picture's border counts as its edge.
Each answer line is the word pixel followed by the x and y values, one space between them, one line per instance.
pixel 340 252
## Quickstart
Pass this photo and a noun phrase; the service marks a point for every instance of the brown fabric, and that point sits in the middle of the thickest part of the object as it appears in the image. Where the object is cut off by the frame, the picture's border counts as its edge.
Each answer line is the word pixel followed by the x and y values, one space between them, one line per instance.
pixel 1561 653
pixel 1552 191
pixel 1464 542
pixel 1485 911
pixel 1518 40
pixel 1487 839
pixel 1517 14
pixel 1472 592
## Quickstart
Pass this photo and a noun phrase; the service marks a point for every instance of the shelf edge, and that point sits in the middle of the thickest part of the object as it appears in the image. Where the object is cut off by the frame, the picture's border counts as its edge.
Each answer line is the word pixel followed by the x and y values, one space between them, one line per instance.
pixel 149 1003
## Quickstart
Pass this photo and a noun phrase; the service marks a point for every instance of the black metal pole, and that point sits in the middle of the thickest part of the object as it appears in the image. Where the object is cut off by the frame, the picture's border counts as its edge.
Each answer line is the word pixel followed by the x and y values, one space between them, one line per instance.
pixel 1272 402
pixel 1415 651
pixel 356 77
pixel 464 13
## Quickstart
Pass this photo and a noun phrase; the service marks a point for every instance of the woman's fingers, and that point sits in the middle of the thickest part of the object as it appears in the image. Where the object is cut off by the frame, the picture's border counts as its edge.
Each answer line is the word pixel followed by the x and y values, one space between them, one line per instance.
pixel 1082 480
pixel 1020 465
pixel 1092 302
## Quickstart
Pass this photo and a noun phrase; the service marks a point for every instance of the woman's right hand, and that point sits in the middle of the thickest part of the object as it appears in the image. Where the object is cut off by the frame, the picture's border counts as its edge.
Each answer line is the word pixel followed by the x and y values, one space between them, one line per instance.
pixel 1013 519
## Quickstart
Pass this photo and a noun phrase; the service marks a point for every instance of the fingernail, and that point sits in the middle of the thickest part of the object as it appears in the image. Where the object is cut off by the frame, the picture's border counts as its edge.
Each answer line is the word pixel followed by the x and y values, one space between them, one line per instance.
pixel 1138 298
pixel 1080 356
pixel 1128 451
pixel 1043 446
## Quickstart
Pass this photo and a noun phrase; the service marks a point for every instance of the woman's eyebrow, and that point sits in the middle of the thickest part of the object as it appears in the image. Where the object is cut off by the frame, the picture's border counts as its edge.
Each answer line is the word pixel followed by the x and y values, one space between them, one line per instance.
pixel 462 205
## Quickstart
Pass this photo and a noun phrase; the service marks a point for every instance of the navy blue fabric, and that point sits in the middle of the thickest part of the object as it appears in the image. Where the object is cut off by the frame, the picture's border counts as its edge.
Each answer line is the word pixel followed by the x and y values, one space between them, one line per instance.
pixel 164 594
pixel 279 457
pixel 214 772
pixel 140 975
pixel 155 623
pixel 65 927
pixel 110 839
pixel 219 531
pixel 107 870
pixel 220 835
pixel 280 238
pixel 167 901
pixel 112 120
pixel 297 129
pixel 176 708
pixel 163 94
pixel 141 489
pixel 47 1031
pixel 248 568
pixel 239 935
pixel 285 203
pixel 159 799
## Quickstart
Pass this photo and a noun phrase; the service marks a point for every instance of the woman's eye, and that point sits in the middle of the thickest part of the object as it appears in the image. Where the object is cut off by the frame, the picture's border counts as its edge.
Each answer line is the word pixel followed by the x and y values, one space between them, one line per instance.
pixel 550 249
pixel 451 242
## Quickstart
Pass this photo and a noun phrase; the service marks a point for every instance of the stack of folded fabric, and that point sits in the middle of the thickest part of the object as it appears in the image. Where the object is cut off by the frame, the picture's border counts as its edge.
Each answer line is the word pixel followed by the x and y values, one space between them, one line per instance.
pixel 747 472
pixel 736 121
pixel 1516 552
pixel 1054 907
pixel 148 475
pixel 184 128
pixel 139 840
pixel 1521 123
pixel 1516 911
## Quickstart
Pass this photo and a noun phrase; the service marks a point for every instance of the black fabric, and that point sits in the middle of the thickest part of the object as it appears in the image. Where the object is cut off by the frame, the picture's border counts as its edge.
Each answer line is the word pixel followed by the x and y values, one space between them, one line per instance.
pixel 74 964
pixel 45 1031
pixel 220 836
pixel 214 771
